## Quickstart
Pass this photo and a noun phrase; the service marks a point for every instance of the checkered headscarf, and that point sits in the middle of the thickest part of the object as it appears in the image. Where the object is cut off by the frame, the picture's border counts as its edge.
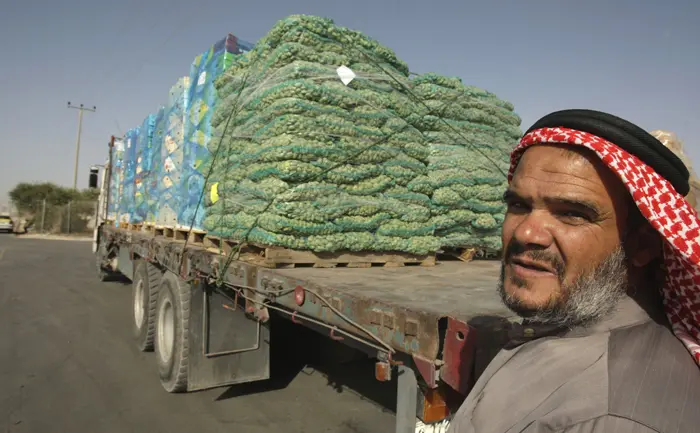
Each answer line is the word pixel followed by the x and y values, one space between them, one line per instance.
pixel 667 211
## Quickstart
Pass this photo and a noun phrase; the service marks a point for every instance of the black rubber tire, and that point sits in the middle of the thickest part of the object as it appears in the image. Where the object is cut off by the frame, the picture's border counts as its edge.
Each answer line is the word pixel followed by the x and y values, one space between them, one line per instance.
pixel 173 369
pixel 149 276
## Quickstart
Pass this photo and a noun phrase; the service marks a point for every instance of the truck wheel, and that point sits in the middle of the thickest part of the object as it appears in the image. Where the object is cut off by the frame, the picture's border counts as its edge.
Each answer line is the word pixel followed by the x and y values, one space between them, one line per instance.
pixel 172 332
pixel 145 294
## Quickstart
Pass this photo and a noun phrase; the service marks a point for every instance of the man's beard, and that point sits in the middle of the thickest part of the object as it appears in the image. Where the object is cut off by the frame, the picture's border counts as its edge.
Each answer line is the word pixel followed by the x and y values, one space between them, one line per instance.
pixel 593 295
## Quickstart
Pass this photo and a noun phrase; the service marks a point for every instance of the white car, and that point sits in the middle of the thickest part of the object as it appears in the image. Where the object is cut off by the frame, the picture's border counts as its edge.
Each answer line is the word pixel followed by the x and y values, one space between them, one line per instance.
pixel 5 223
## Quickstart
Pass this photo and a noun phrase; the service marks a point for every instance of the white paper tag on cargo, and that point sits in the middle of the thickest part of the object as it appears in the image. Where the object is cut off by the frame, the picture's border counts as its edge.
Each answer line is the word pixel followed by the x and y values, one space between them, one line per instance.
pixel 202 78
pixel 169 165
pixel 346 74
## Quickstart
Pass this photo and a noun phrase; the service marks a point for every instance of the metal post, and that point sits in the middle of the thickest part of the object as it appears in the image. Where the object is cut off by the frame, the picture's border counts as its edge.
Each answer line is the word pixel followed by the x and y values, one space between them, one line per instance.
pixel 77 149
pixel 43 215
pixel 406 400
pixel 77 144
pixel 69 215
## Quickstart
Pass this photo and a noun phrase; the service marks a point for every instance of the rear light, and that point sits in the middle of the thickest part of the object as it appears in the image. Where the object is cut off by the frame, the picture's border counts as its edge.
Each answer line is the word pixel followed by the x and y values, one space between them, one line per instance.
pixel 432 406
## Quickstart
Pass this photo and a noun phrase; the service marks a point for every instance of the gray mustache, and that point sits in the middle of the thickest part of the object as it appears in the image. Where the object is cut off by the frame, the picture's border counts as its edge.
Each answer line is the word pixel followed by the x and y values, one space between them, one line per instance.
pixel 517 249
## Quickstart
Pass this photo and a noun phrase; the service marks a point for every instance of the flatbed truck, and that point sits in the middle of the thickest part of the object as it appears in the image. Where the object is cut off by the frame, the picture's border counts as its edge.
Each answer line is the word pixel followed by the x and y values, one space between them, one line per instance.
pixel 429 329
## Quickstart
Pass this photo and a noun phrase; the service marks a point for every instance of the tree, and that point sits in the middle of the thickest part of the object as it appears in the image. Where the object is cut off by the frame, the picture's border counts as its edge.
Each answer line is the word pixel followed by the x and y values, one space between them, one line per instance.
pixel 30 198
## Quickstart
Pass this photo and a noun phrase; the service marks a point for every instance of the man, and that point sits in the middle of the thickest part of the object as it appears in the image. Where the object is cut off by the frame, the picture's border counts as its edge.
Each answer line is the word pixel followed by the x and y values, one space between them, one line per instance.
pixel 601 261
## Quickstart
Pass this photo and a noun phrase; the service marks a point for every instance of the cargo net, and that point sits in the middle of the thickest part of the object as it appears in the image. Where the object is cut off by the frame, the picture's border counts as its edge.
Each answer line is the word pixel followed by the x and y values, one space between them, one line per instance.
pixel 324 142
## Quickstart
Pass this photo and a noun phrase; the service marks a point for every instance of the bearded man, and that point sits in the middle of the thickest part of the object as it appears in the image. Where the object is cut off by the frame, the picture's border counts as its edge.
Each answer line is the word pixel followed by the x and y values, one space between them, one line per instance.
pixel 601 261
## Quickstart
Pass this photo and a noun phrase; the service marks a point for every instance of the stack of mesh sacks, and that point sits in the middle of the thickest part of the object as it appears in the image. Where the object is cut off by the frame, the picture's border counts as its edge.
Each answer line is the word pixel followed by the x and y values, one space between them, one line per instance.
pixel 470 133
pixel 307 162
pixel 382 163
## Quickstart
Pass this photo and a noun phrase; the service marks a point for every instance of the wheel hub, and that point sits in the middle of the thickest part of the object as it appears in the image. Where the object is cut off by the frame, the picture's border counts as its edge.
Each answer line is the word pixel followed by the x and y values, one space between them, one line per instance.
pixel 166 330
pixel 139 295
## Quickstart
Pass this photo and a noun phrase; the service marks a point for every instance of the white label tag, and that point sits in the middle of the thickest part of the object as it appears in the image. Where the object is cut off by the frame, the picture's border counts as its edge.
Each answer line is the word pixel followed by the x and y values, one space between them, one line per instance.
pixel 202 78
pixel 169 165
pixel 346 74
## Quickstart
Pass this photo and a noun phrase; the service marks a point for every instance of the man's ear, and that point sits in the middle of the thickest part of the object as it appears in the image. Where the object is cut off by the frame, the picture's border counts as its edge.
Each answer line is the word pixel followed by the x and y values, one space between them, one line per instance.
pixel 642 245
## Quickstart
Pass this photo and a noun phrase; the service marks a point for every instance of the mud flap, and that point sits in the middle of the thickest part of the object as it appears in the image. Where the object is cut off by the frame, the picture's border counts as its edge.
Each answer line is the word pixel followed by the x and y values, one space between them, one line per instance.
pixel 225 346
pixel 125 264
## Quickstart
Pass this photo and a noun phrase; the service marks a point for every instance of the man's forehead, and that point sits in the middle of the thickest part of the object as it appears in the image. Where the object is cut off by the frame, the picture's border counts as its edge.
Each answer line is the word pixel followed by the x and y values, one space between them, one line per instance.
pixel 575 169
pixel 562 160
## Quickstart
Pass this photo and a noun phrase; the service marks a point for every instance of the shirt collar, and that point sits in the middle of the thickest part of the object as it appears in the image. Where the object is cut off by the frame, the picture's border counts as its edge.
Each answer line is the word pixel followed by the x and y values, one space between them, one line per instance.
pixel 628 312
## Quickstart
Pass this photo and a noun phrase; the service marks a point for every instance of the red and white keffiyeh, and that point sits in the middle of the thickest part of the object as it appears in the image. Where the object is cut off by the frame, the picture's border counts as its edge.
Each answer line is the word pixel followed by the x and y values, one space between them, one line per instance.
pixel 667 211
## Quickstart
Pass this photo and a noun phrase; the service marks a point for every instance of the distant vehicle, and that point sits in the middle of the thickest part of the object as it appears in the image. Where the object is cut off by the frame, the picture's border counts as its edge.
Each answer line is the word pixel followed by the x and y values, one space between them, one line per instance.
pixel 5 223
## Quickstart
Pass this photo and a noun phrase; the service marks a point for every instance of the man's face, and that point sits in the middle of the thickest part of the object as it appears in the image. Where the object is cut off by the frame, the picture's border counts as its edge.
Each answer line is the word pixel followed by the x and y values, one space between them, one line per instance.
pixel 562 233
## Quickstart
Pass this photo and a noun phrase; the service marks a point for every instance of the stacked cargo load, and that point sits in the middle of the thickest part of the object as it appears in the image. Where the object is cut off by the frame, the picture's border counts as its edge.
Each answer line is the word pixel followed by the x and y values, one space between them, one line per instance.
pixel 310 162
pixel 172 155
pixel 127 203
pixel 322 158
pixel 317 139
pixel 154 161
pixel 116 176
pixel 470 133
pixel 144 159
pixel 202 97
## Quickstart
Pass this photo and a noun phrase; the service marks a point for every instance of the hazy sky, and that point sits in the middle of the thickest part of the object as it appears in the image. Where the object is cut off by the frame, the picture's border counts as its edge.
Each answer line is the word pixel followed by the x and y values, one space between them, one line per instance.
pixel 637 59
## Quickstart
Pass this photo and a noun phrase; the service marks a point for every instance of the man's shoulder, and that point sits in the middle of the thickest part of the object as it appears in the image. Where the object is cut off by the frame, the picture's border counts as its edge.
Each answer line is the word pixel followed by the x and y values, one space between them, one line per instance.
pixel 652 378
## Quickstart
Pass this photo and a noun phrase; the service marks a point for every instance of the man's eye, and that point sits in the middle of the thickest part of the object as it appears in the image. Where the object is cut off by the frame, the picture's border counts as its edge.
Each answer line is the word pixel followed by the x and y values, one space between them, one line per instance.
pixel 574 215
pixel 514 206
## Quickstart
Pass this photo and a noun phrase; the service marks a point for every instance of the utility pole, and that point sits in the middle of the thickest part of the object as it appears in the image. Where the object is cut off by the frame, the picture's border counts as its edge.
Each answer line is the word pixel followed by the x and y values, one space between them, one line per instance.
pixel 80 109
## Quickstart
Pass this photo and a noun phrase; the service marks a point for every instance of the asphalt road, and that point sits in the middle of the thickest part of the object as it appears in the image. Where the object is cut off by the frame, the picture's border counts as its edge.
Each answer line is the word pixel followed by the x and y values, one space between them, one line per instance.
pixel 67 364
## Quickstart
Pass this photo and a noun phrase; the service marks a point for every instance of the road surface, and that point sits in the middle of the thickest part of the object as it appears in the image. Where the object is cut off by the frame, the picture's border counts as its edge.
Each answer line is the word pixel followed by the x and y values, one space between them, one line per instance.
pixel 67 364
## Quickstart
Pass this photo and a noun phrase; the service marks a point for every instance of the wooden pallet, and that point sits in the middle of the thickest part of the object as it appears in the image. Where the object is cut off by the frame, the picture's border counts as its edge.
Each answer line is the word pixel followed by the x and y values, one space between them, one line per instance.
pixel 280 257
pixel 467 254
pixel 194 237
pixel 134 227
pixel 284 258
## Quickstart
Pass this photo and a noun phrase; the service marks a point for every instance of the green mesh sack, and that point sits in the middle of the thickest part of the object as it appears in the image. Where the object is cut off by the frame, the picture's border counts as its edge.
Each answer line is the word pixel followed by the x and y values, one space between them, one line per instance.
pixel 307 162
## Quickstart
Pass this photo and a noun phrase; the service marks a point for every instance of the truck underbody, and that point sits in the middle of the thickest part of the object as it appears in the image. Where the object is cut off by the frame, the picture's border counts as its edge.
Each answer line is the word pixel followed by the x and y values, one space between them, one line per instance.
pixel 432 328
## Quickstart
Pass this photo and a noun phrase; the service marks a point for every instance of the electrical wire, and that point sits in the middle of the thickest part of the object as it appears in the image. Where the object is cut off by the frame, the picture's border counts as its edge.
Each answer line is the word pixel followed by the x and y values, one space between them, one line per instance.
pixel 279 293
pixel 295 314
pixel 427 107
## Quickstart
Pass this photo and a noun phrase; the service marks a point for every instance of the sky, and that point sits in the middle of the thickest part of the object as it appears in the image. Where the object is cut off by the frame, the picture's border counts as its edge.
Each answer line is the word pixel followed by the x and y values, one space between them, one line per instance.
pixel 637 59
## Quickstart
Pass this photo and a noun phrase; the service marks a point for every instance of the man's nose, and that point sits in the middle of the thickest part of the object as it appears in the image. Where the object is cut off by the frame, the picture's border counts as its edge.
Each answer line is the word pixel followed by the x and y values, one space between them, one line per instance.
pixel 534 231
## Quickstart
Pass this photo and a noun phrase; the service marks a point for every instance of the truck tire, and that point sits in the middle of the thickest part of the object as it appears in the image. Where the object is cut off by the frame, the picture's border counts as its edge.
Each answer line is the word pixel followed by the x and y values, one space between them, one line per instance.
pixel 172 332
pixel 145 294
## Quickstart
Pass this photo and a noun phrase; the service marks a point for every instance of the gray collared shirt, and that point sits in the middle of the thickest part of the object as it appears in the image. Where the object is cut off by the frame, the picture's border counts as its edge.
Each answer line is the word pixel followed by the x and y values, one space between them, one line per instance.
pixel 626 374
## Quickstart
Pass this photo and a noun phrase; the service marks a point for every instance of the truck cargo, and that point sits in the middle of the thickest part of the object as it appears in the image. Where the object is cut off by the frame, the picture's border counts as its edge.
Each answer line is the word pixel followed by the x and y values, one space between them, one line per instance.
pixel 305 179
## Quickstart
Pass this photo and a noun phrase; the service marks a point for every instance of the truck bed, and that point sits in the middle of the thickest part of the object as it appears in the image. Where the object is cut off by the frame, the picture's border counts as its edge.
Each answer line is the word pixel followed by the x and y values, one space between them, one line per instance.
pixel 453 288
pixel 406 308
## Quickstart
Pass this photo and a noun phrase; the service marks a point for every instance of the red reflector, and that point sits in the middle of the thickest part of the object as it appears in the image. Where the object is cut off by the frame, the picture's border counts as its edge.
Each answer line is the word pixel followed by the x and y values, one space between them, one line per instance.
pixel 299 295
pixel 382 371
